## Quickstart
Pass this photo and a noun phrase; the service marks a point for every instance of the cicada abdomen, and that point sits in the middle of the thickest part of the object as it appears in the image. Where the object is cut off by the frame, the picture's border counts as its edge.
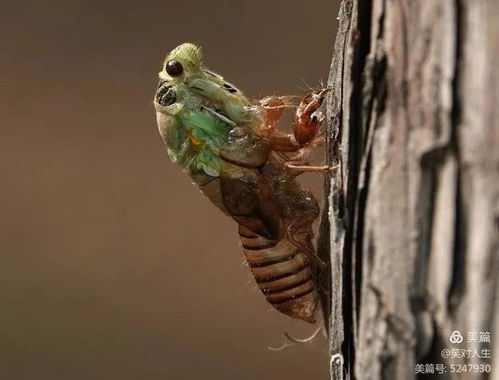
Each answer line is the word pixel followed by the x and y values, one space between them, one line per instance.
pixel 283 273
pixel 285 269
pixel 275 220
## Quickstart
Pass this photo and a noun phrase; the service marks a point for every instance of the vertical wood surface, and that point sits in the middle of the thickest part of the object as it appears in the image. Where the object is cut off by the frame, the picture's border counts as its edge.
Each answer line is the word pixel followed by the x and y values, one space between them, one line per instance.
pixel 412 222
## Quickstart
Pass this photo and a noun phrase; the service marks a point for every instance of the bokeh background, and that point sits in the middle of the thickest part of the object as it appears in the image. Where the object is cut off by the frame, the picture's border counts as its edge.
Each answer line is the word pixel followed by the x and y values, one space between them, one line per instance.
pixel 112 265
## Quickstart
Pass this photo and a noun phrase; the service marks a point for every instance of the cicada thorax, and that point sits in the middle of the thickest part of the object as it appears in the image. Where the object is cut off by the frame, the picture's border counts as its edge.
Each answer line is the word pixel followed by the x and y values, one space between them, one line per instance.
pixel 245 149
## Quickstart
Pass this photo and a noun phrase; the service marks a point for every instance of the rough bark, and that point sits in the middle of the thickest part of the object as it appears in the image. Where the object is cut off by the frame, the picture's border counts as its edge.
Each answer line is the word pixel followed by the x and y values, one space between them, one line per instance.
pixel 412 222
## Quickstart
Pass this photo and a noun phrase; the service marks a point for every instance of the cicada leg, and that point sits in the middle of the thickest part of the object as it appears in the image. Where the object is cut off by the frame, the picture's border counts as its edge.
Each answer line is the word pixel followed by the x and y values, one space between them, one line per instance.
pixel 306 168
pixel 306 124
pixel 307 251
pixel 283 142
pixel 299 230
pixel 291 340
pixel 308 117
pixel 273 108
pixel 307 149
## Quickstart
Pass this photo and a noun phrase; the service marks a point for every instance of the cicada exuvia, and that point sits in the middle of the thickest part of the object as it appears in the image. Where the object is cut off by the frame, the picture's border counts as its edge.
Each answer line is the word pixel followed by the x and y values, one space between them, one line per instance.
pixel 231 148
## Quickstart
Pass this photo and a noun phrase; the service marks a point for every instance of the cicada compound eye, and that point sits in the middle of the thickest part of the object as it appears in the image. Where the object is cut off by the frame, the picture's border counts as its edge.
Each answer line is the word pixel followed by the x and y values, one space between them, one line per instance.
pixel 174 68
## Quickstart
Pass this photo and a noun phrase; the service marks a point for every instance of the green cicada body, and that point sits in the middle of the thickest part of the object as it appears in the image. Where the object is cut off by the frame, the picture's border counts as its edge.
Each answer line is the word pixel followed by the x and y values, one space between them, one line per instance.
pixel 227 145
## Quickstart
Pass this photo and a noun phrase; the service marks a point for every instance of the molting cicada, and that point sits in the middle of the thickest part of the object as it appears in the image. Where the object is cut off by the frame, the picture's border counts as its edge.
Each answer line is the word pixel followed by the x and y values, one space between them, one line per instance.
pixel 231 148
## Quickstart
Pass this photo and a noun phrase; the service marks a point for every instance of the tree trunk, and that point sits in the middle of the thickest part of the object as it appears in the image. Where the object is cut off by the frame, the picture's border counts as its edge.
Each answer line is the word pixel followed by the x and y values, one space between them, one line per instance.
pixel 412 227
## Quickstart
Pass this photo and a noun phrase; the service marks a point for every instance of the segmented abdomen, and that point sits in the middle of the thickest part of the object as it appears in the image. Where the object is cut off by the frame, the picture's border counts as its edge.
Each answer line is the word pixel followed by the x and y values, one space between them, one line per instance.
pixel 275 226
pixel 282 272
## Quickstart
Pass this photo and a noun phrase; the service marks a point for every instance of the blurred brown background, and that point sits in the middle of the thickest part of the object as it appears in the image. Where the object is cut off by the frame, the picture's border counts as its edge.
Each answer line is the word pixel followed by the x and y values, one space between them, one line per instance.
pixel 112 265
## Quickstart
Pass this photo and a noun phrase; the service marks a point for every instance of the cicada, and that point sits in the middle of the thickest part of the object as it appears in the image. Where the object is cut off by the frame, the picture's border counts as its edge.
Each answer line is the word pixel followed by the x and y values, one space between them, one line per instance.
pixel 231 148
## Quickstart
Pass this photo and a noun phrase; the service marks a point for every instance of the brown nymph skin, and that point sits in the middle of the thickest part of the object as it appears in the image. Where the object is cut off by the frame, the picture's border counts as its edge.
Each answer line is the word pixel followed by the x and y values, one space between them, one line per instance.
pixel 275 215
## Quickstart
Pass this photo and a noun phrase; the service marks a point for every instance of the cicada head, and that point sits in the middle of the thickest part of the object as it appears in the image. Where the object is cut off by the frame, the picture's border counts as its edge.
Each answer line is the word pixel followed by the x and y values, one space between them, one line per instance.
pixel 181 65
